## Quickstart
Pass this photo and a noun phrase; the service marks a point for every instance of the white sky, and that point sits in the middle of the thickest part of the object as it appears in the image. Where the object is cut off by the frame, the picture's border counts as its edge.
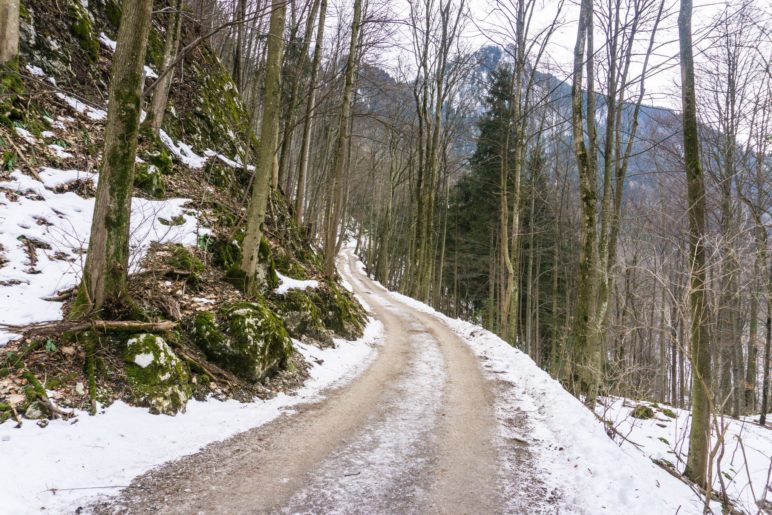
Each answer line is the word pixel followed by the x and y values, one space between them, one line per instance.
pixel 661 87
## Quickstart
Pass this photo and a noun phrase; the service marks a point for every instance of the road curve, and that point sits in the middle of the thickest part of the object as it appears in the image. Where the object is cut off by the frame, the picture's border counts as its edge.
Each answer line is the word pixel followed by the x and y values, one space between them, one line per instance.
pixel 414 433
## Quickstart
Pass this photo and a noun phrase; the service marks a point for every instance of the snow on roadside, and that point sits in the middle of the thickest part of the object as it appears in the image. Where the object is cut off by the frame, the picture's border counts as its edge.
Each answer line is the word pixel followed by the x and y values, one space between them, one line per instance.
pixel 288 283
pixel 38 466
pixel 44 236
pixel 575 458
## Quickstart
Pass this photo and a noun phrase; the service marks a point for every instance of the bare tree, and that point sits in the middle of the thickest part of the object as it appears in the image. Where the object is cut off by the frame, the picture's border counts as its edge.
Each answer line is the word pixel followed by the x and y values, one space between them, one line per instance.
pixel 699 434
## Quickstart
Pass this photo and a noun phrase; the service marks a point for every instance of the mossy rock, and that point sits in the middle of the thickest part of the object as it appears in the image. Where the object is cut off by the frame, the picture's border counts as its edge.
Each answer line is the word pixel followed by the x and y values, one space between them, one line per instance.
pixel 341 313
pixel 183 259
pixel 643 412
pixel 246 338
pixel 226 254
pixel 161 159
pixel 668 413
pixel 225 251
pixel 288 266
pixel 301 315
pixel 149 179
pixel 83 30
pixel 158 379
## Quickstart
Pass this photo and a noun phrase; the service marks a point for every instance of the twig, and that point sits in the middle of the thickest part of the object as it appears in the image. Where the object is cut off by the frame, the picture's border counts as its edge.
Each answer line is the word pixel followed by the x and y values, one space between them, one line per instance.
pixel 54 490
pixel 23 158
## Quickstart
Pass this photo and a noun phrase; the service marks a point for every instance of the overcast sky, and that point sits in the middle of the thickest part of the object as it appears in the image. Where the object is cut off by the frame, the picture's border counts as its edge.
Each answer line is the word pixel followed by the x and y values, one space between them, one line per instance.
pixel 661 88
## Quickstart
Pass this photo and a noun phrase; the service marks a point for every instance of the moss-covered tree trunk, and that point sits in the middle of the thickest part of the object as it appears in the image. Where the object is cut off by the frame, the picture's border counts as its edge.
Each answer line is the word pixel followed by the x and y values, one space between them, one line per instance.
pixel 107 263
pixel 699 435
pixel 584 355
pixel 339 157
pixel 9 30
pixel 161 92
pixel 300 197
pixel 269 131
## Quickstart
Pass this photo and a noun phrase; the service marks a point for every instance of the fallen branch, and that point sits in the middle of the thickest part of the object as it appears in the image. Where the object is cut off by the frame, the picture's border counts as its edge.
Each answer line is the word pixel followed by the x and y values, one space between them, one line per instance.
pixel 61 295
pixel 55 328
pixel 610 426
pixel 208 369
pixel 54 490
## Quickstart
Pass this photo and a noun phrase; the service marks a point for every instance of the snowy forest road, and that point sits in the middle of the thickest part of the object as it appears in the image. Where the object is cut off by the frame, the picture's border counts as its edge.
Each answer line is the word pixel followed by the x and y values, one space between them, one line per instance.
pixel 414 433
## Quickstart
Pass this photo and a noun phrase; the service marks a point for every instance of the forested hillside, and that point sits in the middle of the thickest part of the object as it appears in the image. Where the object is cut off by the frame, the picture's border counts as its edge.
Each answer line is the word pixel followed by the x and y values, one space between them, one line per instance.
pixel 412 256
pixel 183 304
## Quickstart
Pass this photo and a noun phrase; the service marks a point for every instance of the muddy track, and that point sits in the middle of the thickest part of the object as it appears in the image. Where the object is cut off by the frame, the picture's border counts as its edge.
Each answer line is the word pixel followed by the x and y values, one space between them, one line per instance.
pixel 414 433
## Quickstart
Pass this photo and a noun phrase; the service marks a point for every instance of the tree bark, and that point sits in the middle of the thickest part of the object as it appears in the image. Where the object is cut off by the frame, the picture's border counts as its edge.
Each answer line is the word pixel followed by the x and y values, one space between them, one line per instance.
pixel 107 262
pixel 585 356
pixel 161 92
pixel 699 434
pixel 339 157
pixel 267 148
pixel 9 30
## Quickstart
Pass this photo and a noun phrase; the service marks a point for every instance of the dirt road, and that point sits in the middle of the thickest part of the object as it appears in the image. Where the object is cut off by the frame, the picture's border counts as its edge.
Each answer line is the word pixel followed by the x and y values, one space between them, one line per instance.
pixel 414 433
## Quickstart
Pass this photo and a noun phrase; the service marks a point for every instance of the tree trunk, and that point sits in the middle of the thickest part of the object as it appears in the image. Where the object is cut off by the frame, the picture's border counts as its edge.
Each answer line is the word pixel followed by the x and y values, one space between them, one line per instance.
pixel 266 151
pixel 292 101
pixel 584 354
pixel 9 30
pixel 107 263
pixel 161 92
pixel 765 382
pixel 699 435
pixel 238 58
pixel 339 158
pixel 308 120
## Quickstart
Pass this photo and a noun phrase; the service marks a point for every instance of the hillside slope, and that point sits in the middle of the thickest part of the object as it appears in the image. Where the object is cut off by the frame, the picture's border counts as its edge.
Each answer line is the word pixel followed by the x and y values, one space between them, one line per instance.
pixel 190 196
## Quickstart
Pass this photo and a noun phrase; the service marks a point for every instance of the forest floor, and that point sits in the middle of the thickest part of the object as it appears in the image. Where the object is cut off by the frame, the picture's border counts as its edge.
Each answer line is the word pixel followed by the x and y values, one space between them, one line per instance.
pixel 445 419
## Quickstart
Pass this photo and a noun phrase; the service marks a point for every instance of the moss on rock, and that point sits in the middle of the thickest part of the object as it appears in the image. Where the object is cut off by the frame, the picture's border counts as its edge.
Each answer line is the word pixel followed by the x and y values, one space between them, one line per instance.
pixel 246 338
pixel 149 179
pixel 340 311
pixel 183 259
pixel 157 377
pixel 83 30
pixel 301 315
pixel 643 412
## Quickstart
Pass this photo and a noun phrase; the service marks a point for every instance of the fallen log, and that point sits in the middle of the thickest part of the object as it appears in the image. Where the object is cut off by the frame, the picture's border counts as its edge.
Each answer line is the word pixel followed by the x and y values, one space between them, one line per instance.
pixel 55 328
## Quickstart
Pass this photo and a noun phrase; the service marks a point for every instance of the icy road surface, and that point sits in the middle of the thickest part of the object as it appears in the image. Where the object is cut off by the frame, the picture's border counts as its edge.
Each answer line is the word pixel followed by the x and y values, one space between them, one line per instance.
pixel 446 419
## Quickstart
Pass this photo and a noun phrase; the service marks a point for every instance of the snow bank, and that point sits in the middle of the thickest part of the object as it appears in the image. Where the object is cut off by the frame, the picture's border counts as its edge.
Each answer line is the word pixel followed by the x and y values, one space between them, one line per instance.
pixel 97 455
pixel 44 237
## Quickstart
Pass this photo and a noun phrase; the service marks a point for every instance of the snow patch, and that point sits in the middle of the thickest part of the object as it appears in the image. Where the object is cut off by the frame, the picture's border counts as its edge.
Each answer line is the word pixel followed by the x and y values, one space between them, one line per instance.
pixel 183 151
pixel 143 360
pixel 44 237
pixel 92 113
pixel 288 283
pixel 26 135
